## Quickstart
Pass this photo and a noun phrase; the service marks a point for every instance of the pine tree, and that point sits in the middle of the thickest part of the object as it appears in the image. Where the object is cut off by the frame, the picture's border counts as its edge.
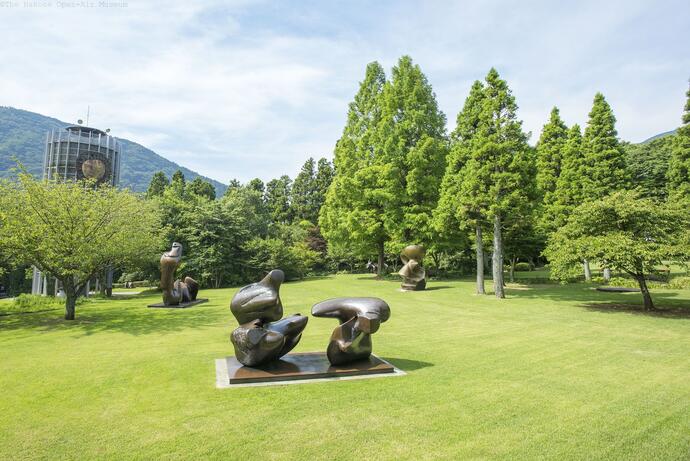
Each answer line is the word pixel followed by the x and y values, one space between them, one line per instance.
pixel 569 188
pixel 352 215
pixel 460 204
pixel 413 147
pixel 679 165
pixel 549 164
pixel 157 185
pixel 501 166
pixel 324 177
pixel 605 171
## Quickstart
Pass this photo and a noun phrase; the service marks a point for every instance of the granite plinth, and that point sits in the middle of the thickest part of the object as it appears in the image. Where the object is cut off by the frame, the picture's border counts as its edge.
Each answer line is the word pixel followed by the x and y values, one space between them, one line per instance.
pixel 181 305
pixel 304 366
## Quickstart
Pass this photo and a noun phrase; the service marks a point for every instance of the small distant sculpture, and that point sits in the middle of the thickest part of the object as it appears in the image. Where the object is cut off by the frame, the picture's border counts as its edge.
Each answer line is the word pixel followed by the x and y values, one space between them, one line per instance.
pixel 176 292
pixel 412 272
pixel 263 335
pixel 359 319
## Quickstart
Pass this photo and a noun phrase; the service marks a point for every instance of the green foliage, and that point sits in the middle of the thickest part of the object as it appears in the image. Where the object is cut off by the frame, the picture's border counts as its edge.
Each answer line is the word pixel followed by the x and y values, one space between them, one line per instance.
pixel 309 190
pixel 604 169
pixel 201 188
pixel 624 232
pixel 257 185
pixel 679 164
pixel 569 192
pixel 31 303
pixel 73 231
pixel 296 260
pixel 157 185
pixel 277 198
pixel 550 149
pixel 648 166
pixel 352 213
pixel 523 267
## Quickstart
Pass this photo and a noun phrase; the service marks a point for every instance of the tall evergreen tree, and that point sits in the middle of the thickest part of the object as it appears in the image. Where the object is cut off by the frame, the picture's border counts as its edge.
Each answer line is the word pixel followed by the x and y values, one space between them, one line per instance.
pixel 278 199
pixel 549 152
pixel 324 177
pixel 605 170
pixel 178 183
pixel 352 215
pixel 413 147
pixel 463 203
pixel 257 185
pixel 502 164
pixel 157 185
pixel 569 188
pixel 679 165
pixel 202 188
pixel 303 200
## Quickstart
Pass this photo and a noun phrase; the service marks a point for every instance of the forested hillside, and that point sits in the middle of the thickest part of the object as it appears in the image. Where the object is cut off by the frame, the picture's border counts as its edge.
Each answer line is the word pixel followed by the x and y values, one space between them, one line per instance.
pixel 22 136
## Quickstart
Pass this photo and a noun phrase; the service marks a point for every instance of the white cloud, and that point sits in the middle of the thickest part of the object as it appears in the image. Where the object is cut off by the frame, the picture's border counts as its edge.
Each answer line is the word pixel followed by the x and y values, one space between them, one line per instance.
pixel 242 89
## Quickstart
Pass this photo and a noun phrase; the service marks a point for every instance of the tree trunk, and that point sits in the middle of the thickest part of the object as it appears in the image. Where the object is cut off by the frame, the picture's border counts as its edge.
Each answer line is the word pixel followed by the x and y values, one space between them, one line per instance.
pixel 498 258
pixel 513 262
pixel 588 272
pixel 607 275
pixel 379 269
pixel 480 260
pixel 648 304
pixel 70 298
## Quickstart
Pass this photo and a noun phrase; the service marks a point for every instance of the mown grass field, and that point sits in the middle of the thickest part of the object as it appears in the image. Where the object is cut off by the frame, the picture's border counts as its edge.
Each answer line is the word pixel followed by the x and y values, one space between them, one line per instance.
pixel 552 372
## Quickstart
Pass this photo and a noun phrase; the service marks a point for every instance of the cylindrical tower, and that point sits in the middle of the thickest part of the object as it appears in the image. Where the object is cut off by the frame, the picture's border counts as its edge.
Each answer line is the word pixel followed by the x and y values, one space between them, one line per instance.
pixel 76 153
pixel 80 152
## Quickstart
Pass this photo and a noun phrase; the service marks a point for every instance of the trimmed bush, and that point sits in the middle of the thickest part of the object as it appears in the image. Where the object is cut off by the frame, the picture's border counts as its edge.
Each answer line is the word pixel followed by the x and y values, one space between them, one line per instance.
pixel 523 267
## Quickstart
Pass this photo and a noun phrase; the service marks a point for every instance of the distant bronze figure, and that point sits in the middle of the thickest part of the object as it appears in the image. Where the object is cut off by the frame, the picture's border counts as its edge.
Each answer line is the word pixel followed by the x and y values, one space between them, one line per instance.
pixel 359 319
pixel 175 291
pixel 262 336
pixel 412 272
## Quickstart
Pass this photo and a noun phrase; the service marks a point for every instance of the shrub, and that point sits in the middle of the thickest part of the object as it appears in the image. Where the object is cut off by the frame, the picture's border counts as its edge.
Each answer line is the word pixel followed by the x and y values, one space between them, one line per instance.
pixel 28 303
pixel 295 260
pixel 523 267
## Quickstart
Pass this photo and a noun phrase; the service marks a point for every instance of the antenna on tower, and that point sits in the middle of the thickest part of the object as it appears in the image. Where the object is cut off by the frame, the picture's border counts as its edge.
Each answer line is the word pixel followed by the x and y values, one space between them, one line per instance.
pixel 88 109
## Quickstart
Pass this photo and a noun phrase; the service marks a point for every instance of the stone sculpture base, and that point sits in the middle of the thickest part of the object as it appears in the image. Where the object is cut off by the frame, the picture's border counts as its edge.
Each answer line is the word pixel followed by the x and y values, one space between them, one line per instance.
pixel 304 366
pixel 419 286
pixel 181 305
pixel 618 289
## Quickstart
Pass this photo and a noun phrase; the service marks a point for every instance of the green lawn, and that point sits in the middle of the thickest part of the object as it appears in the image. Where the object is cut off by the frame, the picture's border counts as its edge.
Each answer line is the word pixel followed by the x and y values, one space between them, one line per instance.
pixel 552 372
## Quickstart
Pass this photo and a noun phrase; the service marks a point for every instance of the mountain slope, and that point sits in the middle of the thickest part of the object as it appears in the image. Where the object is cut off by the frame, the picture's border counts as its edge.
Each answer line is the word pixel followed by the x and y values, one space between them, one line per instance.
pixel 660 135
pixel 22 136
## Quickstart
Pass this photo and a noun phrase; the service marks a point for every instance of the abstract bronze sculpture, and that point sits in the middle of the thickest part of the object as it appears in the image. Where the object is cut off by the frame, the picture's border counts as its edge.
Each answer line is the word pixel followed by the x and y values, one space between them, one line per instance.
pixel 262 336
pixel 413 274
pixel 359 319
pixel 176 292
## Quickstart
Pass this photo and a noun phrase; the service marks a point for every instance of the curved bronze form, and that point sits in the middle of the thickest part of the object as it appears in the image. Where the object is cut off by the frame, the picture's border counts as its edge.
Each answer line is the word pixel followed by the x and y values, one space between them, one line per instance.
pixel 262 336
pixel 413 274
pixel 176 291
pixel 359 319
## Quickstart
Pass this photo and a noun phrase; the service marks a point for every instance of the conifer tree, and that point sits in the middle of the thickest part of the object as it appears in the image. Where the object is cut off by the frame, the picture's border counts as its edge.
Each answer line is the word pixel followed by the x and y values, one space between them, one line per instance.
pixel 679 165
pixel 605 170
pixel 413 147
pixel 569 188
pixel 277 199
pixel 202 188
pixel 352 215
pixel 303 200
pixel 501 165
pixel 462 204
pixel 549 164
pixel 157 185
pixel 178 183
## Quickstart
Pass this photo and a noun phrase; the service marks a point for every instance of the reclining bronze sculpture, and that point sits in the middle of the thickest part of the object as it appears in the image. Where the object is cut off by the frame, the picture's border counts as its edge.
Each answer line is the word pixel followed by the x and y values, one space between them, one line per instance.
pixel 263 335
pixel 413 274
pixel 176 292
pixel 359 319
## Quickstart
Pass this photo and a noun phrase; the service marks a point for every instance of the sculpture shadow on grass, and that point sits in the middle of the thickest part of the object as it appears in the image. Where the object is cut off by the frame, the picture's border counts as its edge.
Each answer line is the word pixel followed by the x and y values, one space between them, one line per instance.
pixel 407 364
pixel 437 287
pixel 134 320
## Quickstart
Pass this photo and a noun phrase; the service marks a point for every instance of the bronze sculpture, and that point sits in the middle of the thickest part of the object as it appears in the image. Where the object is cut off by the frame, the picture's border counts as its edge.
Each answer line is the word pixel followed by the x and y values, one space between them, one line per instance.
pixel 413 274
pixel 176 292
pixel 262 335
pixel 359 319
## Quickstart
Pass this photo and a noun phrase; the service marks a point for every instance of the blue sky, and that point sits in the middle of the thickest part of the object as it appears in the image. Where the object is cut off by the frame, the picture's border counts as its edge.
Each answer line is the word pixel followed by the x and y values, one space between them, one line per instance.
pixel 244 89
